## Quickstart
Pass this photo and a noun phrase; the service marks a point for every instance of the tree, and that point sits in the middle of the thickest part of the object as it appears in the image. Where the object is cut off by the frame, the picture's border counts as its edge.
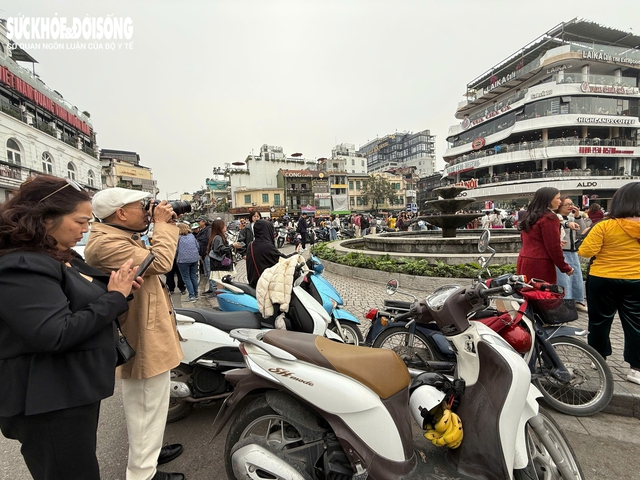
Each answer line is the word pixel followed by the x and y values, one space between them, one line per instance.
pixel 377 190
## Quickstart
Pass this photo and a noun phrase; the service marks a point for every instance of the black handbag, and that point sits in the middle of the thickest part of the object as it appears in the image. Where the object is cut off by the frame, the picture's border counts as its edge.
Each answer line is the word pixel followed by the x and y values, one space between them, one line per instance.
pixel 124 351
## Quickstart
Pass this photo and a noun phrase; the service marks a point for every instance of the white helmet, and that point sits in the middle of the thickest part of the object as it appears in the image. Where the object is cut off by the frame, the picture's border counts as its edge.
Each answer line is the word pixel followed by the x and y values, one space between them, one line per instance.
pixel 424 397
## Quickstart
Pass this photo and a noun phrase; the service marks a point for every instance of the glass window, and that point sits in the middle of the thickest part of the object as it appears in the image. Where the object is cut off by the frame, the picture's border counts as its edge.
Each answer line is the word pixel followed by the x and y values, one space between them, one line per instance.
pixel 350 184
pixel 352 201
pixel 71 171
pixel 13 152
pixel 247 199
pixel 47 163
pixel 359 201
pixel 276 199
pixel 90 178
pixel 357 184
pixel 265 198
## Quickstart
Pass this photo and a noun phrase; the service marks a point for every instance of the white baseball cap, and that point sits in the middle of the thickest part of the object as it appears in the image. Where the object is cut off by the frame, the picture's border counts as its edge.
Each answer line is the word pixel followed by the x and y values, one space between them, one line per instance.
pixel 107 201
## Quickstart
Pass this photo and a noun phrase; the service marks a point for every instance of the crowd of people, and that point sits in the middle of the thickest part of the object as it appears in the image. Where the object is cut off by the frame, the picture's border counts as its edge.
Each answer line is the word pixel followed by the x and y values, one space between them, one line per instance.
pixel 58 348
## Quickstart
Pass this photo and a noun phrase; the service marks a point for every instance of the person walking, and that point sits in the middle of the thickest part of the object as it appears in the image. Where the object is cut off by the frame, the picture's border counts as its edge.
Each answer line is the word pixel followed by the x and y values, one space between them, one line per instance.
pixel 613 283
pixel 356 223
pixel 187 257
pixel 364 224
pixel 220 252
pixel 572 223
pixel 149 325
pixel 204 232
pixel 541 251
pixel 302 229
pixel 170 278
pixel 246 234
pixel 57 329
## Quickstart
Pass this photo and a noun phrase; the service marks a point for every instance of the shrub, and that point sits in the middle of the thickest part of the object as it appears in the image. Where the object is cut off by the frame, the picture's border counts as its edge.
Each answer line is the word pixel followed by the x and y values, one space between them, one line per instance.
pixel 420 267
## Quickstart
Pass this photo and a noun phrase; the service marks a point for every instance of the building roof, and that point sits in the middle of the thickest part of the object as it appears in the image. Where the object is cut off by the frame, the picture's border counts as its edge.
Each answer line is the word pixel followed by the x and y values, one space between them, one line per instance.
pixel 583 32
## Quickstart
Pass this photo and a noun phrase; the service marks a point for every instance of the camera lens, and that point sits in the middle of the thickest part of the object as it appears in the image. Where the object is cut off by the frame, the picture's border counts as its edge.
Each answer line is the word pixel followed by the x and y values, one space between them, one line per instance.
pixel 180 207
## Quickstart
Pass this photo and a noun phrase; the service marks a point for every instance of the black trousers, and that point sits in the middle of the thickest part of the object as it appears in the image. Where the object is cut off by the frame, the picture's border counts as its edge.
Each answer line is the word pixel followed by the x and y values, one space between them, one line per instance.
pixel 605 297
pixel 59 445
pixel 171 282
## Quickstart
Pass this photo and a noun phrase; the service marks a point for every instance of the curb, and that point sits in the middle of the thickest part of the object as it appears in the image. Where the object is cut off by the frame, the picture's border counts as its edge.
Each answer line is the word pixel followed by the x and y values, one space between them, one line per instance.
pixel 622 403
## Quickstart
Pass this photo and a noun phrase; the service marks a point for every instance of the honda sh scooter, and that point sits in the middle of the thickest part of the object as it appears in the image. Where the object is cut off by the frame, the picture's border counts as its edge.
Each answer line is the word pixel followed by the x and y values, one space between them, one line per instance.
pixel 338 411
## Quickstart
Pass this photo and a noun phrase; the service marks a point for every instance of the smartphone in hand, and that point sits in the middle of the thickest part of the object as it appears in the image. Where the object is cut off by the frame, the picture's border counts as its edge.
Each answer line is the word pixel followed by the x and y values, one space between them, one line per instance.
pixel 146 263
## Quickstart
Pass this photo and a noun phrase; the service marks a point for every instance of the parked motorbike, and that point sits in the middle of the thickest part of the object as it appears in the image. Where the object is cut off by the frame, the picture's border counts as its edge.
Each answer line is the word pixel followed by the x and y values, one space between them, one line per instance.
pixel 304 426
pixel 322 234
pixel 346 233
pixel 236 296
pixel 573 378
pixel 209 351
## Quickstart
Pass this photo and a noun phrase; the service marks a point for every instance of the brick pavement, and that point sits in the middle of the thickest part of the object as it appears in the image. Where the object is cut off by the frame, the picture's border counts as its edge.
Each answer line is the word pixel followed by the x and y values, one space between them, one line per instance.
pixel 359 294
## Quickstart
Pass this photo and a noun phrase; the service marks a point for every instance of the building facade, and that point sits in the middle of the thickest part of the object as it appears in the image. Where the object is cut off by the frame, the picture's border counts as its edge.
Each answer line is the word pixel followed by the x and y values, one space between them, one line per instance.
pixel 261 171
pixel 561 111
pixel 121 168
pixel 40 131
pixel 401 150
pixel 345 158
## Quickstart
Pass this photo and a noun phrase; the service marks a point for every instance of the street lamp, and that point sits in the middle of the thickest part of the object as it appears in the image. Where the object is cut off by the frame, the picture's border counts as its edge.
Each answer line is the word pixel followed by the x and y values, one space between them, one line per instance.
pixel 169 194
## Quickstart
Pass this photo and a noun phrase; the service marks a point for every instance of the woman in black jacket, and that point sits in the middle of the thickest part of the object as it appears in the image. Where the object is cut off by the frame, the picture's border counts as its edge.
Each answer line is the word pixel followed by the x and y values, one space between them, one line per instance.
pixel 262 253
pixel 57 330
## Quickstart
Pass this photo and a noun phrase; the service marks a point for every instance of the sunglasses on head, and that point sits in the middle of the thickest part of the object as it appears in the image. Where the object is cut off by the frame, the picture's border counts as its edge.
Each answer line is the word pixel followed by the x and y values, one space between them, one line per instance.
pixel 70 182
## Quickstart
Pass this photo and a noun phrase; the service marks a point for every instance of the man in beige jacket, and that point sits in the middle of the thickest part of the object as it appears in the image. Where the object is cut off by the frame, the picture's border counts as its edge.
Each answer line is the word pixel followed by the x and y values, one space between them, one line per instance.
pixel 149 325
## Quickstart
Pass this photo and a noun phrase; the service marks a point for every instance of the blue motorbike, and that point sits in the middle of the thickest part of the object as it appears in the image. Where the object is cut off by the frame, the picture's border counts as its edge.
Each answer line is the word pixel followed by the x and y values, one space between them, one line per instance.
pixel 235 296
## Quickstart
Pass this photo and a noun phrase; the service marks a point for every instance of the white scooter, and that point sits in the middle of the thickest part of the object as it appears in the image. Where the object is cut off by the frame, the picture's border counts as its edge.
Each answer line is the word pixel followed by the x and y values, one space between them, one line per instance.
pixel 340 411
pixel 209 351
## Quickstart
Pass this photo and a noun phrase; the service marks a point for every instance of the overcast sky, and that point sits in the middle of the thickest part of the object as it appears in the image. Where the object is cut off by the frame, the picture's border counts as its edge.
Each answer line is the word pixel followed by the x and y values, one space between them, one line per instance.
pixel 208 82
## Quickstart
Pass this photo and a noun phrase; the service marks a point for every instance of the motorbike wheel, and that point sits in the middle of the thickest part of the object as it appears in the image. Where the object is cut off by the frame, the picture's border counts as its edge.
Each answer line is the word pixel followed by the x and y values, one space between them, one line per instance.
pixel 414 349
pixel 591 388
pixel 353 335
pixel 270 429
pixel 541 466
pixel 280 242
pixel 179 407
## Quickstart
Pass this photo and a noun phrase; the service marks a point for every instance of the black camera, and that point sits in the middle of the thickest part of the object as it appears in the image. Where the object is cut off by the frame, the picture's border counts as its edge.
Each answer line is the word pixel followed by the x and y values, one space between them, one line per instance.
pixel 178 206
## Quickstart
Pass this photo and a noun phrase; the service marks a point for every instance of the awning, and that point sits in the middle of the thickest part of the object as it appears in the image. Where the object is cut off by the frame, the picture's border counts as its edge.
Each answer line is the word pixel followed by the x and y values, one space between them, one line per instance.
pixel 341 212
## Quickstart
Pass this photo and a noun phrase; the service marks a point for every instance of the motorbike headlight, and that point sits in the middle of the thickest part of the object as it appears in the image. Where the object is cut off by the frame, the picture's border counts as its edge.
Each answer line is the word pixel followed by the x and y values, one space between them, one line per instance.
pixel 436 300
pixel 334 304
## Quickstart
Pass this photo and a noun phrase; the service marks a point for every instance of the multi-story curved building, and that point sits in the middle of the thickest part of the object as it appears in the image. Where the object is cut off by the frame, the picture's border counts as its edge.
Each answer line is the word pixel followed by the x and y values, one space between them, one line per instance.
pixel 561 111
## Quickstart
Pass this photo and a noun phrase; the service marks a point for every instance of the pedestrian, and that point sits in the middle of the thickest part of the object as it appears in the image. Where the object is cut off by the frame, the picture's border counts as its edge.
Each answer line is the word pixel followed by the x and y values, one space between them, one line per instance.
pixel 57 329
pixel 187 257
pixel 220 252
pixel 262 253
pixel 302 228
pixel 203 240
pixel 149 325
pixel 246 234
pixel 357 224
pixel 335 226
pixel 171 276
pixel 613 283
pixel 495 219
pixel 541 251
pixel 595 213
pixel 364 224
pixel 571 223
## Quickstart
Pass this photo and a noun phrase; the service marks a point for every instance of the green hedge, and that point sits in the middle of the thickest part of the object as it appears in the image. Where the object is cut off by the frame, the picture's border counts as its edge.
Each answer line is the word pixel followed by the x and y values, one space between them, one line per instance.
pixel 420 267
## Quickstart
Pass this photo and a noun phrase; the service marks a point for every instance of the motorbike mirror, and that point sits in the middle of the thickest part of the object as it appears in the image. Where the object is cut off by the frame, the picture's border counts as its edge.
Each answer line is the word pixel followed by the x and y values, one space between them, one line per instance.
pixel 392 286
pixel 483 242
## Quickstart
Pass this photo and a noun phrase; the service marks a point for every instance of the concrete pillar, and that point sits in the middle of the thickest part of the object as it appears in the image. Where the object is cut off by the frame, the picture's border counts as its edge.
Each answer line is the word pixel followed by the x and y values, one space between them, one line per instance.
pixel 617 73
pixel 491 170
pixel 615 132
pixel 545 134
pixel 560 77
pixel 583 163
pixel 583 131
pixel 585 73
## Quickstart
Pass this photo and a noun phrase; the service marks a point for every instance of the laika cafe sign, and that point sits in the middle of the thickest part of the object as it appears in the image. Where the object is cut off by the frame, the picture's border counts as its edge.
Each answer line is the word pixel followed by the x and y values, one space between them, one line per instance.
pixel 23 88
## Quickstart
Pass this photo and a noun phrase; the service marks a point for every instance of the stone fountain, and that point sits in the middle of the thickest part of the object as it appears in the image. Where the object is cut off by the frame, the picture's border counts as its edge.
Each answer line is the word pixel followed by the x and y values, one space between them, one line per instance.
pixel 448 205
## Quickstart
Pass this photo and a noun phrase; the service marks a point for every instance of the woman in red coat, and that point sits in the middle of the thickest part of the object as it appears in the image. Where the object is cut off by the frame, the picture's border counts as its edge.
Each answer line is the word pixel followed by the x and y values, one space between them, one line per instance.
pixel 540 233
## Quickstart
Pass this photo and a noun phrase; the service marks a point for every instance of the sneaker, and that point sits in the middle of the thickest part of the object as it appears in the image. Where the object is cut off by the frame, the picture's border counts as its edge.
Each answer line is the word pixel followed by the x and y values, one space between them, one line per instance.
pixel 183 292
pixel 634 376
pixel 190 299
pixel 206 292
pixel 581 307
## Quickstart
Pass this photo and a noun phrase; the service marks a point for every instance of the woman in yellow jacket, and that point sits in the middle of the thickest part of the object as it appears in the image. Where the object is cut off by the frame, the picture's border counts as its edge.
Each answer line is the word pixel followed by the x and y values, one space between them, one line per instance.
pixel 613 284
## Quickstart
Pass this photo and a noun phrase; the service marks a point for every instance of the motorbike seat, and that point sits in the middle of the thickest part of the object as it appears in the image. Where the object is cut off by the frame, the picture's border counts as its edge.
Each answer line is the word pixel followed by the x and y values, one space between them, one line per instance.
pixel 245 287
pixel 380 369
pixel 225 321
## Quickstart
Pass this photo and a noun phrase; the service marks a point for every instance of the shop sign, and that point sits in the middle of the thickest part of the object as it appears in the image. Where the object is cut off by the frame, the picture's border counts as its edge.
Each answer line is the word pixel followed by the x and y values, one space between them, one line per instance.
pixel 544 93
pixel 586 87
pixel 462 167
pixel 587 184
pixel 605 150
pixel 608 120
pixel 466 123
pixel 478 143
pixel 470 184
pixel 605 57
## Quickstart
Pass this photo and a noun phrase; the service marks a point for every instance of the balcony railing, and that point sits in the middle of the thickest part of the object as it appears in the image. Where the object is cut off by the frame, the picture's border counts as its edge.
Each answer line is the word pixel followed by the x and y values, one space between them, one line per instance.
pixel 605 80
pixel 553 174
pixel 557 142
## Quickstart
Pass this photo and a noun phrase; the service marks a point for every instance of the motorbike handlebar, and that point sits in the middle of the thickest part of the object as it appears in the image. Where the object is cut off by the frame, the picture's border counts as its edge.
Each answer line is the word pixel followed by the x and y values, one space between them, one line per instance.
pixel 487 292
